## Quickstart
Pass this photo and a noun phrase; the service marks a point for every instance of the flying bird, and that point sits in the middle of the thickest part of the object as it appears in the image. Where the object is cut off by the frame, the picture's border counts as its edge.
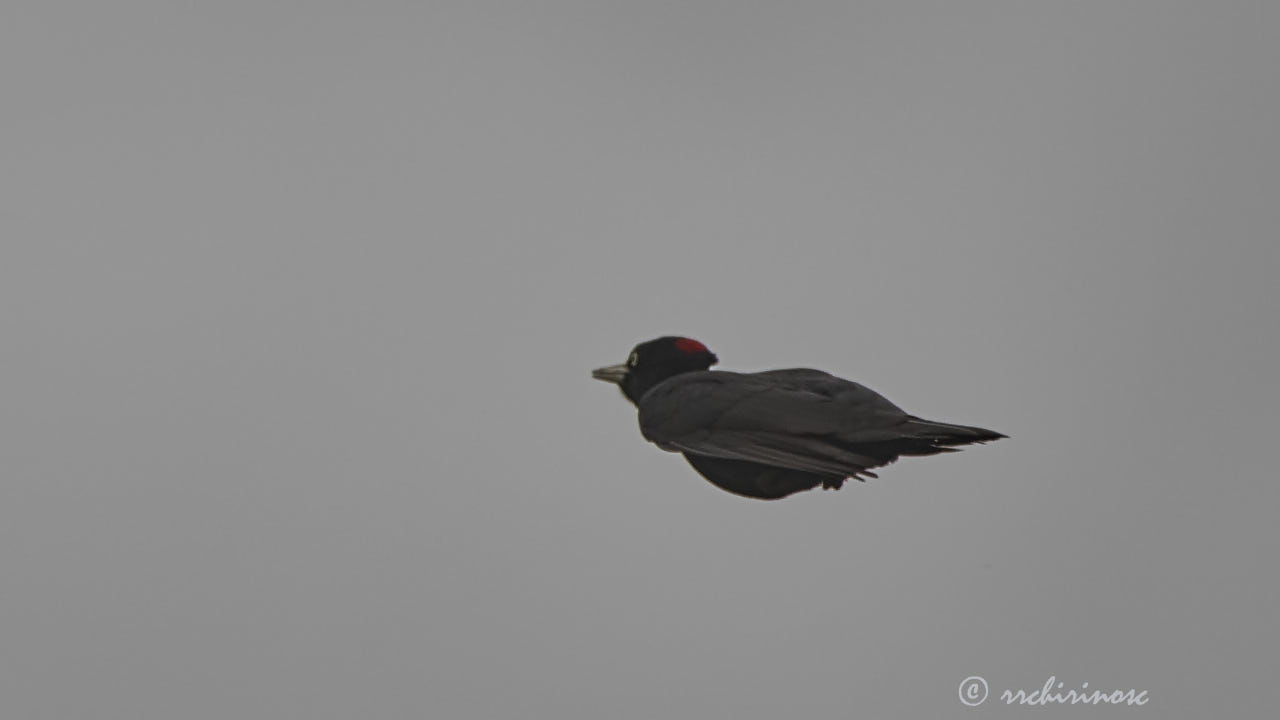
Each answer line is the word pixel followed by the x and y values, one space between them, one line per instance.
pixel 770 434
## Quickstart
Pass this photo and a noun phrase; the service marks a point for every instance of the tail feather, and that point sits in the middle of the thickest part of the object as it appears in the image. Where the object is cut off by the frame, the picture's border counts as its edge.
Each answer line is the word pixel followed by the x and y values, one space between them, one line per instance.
pixel 949 434
pixel 923 437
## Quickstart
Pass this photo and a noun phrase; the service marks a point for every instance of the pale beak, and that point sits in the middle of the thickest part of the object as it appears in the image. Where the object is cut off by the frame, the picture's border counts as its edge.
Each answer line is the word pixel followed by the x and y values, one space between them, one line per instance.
pixel 614 373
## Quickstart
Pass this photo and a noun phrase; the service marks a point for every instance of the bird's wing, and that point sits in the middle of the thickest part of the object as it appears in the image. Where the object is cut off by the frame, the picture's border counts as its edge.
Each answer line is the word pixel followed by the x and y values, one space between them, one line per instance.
pixel 803 419
pixel 806 455
pixel 807 402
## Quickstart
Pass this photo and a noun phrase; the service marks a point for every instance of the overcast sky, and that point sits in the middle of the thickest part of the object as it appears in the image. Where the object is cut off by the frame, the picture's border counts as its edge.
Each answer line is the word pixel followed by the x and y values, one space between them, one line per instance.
pixel 299 301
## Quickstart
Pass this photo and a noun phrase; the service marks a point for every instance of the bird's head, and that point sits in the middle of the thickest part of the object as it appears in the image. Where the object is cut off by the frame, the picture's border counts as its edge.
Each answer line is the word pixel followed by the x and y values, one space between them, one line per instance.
pixel 652 362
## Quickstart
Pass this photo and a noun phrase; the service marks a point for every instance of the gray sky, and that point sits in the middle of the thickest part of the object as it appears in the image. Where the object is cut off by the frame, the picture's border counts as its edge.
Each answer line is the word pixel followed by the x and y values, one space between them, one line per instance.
pixel 299 302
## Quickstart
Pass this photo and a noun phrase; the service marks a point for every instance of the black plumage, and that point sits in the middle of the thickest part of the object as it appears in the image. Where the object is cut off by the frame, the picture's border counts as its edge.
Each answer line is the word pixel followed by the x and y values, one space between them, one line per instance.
pixel 770 434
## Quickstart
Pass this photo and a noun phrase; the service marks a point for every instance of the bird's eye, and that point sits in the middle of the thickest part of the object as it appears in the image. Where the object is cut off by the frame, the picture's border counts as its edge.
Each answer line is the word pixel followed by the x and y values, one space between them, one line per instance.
pixel 633 360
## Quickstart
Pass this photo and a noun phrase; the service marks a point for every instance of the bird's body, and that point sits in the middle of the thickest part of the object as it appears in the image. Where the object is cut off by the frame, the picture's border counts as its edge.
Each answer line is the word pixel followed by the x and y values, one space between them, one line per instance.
pixel 770 434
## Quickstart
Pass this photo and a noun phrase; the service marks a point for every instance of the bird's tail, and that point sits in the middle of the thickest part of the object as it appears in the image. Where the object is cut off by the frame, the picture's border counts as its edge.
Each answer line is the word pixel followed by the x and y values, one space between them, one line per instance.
pixel 948 434
pixel 924 437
